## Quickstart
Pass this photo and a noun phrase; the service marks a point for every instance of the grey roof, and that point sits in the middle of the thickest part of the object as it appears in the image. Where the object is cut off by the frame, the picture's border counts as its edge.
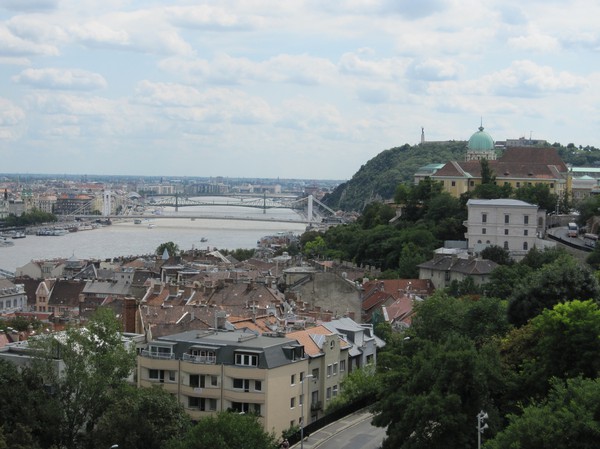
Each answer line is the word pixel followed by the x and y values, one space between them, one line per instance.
pixel 472 267
pixel 107 288
pixel 273 351
pixel 499 202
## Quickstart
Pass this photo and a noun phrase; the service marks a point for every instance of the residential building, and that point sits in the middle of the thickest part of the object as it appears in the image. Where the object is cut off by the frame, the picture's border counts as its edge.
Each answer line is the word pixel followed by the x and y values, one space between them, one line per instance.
pixel 215 371
pixel 12 297
pixel 511 224
pixel 455 265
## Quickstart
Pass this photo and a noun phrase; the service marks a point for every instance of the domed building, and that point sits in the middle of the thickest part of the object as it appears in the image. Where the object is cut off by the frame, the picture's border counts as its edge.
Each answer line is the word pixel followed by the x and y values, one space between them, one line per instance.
pixel 481 146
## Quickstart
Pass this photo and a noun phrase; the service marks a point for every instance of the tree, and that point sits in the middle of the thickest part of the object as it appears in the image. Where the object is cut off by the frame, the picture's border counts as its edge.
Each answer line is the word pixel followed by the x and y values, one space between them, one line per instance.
pixel 568 418
pixel 29 416
pixel 360 384
pixel 172 249
pixel 562 280
pixel 431 391
pixel 96 363
pixel 224 431
pixel 141 417
pixel 497 254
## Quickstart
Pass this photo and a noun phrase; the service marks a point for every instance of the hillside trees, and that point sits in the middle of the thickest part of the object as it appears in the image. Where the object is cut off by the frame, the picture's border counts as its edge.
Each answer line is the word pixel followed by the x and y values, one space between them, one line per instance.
pixel 378 179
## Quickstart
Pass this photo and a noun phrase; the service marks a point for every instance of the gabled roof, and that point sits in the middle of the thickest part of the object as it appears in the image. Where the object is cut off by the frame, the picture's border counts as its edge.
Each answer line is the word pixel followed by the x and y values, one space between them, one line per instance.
pixel 471 266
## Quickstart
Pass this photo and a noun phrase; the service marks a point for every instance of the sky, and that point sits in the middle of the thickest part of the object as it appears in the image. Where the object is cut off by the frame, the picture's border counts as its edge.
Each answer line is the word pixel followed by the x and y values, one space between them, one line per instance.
pixel 292 89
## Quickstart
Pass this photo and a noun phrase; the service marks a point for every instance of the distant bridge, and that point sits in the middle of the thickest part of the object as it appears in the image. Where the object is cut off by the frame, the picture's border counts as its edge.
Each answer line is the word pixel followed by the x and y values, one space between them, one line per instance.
pixel 308 208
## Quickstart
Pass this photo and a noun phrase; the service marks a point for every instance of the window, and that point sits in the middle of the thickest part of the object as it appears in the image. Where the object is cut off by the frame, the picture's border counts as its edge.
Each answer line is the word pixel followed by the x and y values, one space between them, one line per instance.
pixel 315 373
pixel 525 232
pixel 447 276
pixel 335 369
pixel 214 381
pixel 203 404
pixel 506 219
pixel 246 359
pixel 328 394
pixel 525 219
pixel 518 185
pixel 525 246
pixel 483 230
pixel 258 385
pixel 194 380
pixel 484 218
pixel 301 376
pixel 329 369
pixel 293 379
pixel 472 183
pixel 342 366
pixel 478 241
pixel 335 391
pixel 453 183
pixel 506 232
pixel 301 400
pixel 551 185
pixel 241 384
pixel 245 407
pixel 292 402
pixel 505 245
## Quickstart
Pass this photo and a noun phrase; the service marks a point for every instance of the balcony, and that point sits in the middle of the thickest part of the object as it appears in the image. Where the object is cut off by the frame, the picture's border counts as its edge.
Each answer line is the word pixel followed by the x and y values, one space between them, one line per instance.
pixel 157 355
pixel 318 405
pixel 206 360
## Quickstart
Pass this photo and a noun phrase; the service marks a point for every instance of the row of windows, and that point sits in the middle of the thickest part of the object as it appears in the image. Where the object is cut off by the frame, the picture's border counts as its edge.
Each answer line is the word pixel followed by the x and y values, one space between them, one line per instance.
pixel 525 244
pixel 506 218
pixel 525 231
pixel 506 183
pixel 7 303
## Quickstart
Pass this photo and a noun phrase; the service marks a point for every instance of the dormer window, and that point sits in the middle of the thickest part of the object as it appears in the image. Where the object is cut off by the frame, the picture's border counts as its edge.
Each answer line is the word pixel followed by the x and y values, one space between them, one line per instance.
pixel 246 359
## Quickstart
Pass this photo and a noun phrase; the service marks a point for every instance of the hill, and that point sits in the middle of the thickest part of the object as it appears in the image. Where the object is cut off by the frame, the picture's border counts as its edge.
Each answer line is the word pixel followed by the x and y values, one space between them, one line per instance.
pixel 379 177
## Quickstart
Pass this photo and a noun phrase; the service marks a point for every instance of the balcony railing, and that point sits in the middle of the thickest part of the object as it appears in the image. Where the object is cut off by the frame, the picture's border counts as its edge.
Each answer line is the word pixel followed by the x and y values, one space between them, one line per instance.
pixel 157 355
pixel 209 360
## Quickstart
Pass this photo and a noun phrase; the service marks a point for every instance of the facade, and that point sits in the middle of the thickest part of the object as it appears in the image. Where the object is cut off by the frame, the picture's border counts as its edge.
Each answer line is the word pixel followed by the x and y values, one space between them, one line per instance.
pixel 517 167
pixel 71 204
pixel 12 297
pixel 445 268
pixel 215 371
pixel 510 224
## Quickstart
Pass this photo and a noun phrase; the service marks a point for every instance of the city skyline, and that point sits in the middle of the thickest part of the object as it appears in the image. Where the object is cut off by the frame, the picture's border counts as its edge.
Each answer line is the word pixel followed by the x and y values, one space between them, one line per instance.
pixel 297 90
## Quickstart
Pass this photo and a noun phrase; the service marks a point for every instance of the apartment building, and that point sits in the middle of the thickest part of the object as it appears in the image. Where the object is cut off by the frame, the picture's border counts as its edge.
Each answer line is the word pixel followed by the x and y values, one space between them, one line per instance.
pixel 212 371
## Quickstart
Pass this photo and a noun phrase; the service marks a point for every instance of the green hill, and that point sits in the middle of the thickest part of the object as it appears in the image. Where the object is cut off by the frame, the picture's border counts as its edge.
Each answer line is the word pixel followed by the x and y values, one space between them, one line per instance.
pixel 379 177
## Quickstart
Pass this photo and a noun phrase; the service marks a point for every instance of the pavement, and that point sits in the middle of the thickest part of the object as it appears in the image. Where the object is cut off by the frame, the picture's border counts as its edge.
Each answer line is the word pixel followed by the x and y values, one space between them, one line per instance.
pixel 329 431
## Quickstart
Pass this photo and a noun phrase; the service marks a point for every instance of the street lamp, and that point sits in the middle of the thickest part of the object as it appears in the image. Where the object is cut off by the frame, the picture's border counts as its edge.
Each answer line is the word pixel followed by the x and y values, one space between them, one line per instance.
pixel 481 426
pixel 304 401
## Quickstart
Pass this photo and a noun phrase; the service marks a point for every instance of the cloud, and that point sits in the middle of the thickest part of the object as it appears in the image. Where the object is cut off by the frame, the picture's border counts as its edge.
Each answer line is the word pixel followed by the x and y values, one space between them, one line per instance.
pixel 211 18
pixel 224 69
pixel 434 70
pixel 29 5
pixel 11 45
pixel 528 79
pixel 65 79
pixel 535 42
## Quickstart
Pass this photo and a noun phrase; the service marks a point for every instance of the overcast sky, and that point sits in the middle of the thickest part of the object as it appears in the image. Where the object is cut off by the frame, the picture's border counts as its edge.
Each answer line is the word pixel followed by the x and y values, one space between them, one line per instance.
pixel 285 88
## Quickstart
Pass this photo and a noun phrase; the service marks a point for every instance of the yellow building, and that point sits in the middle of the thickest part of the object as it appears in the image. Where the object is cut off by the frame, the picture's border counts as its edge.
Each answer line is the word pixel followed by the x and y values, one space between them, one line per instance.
pixel 517 167
pixel 269 374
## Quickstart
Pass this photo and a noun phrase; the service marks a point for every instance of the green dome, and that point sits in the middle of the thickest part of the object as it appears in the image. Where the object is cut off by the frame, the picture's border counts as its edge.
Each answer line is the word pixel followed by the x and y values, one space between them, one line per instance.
pixel 481 141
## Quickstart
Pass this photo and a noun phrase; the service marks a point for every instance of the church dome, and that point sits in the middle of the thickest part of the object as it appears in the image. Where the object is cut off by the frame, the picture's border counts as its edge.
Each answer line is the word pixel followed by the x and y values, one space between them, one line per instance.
pixel 481 141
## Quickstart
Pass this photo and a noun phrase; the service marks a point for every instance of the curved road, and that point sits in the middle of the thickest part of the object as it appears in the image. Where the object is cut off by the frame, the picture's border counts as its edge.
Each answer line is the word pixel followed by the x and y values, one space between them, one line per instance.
pixel 351 432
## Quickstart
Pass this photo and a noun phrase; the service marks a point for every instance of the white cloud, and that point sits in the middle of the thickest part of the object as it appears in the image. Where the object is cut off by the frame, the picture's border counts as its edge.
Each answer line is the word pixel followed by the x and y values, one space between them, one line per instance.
pixel 11 45
pixel 29 5
pixel 527 79
pixel 434 70
pixel 67 79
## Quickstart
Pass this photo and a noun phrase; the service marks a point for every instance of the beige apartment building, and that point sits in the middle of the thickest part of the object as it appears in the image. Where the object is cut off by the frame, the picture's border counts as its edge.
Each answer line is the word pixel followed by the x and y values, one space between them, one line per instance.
pixel 270 374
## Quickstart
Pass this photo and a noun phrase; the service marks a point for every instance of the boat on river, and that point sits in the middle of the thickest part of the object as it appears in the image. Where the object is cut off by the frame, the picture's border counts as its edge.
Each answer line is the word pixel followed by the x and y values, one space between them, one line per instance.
pixel 4 243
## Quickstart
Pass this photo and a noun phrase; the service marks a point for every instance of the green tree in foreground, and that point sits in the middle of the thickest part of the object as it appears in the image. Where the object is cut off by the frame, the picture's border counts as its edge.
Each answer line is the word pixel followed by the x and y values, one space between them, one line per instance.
pixel 568 418
pixel 96 365
pixel 360 384
pixel 226 430
pixel 141 418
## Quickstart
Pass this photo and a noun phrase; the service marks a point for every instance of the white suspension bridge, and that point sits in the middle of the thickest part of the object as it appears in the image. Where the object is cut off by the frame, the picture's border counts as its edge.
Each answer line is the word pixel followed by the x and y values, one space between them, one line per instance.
pixel 309 209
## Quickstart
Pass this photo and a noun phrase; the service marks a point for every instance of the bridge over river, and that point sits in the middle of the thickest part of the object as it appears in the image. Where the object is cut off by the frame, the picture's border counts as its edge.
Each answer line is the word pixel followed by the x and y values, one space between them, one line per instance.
pixel 309 209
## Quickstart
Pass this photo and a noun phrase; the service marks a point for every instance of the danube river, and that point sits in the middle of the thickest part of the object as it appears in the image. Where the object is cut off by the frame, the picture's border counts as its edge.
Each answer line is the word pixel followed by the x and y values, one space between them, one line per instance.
pixel 125 238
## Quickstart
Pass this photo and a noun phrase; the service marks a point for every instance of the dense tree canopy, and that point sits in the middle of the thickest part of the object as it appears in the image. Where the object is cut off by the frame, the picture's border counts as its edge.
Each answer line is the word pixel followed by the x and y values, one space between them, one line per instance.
pixel 226 430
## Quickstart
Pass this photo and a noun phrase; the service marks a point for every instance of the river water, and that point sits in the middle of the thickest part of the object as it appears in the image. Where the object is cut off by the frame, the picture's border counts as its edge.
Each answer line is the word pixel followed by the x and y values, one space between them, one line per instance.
pixel 125 238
